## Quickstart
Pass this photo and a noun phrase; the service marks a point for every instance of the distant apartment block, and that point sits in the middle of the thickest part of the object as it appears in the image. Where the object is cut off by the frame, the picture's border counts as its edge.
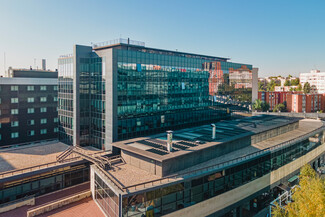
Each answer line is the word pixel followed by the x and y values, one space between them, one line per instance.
pixel 299 102
pixel 296 101
pixel 273 98
pixel 28 109
pixel 316 79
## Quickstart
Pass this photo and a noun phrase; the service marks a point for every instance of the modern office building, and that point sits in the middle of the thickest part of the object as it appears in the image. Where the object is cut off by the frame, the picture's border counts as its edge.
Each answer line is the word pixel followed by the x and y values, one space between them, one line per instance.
pixel 228 169
pixel 28 110
pixel 121 89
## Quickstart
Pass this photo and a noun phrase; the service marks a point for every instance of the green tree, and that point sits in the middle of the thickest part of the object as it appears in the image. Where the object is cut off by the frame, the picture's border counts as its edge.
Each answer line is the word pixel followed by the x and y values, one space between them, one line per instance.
pixel 265 106
pixel 287 83
pixel 279 107
pixel 299 87
pixel 295 82
pixel 257 105
pixel 306 87
pixel 308 199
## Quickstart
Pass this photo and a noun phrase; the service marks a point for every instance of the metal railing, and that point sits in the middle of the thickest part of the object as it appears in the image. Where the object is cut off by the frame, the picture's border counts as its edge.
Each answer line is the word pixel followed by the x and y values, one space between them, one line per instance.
pixel 43 166
pixel 118 41
pixel 220 165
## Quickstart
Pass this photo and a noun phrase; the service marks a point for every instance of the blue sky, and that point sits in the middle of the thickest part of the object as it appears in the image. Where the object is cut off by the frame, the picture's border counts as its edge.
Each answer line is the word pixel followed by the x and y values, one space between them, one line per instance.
pixel 280 37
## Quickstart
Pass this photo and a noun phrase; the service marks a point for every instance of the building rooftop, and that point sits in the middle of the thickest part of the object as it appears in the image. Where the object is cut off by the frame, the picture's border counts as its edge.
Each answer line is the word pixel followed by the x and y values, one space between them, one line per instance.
pixel 33 157
pixel 140 46
pixel 28 81
pixel 195 139
pixel 134 178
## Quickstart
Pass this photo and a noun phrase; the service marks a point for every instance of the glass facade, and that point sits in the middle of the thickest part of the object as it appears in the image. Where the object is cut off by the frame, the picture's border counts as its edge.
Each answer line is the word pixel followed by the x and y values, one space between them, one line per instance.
pixel 44 183
pixel 168 199
pixel 106 198
pixel 158 92
pixel 65 94
pixel 92 102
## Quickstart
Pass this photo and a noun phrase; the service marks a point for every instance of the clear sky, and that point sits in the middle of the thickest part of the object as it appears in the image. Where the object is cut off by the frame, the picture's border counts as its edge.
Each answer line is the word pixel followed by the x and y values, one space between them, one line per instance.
pixel 280 37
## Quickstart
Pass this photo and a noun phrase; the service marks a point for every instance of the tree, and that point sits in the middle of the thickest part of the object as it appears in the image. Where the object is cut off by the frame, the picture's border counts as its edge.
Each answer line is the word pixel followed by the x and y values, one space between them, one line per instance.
pixel 257 105
pixel 308 198
pixel 299 87
pixel 295 82
pixel 306 88
pixel 287 83
pixel 265 106
pixel 280 107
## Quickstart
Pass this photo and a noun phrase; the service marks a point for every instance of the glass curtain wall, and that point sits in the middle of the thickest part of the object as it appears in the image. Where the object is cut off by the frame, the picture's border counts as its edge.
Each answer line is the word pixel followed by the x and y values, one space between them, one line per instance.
pixel 106 198
pixel 65 95
pixel 160 92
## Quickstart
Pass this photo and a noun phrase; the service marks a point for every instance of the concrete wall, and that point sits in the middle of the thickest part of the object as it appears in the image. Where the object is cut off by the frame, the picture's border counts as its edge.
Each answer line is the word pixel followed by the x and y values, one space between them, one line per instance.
pixel 274 132
pixel 143 163
pixel 222 201
pixel 292 114
pixel 20 203
pixel 57 204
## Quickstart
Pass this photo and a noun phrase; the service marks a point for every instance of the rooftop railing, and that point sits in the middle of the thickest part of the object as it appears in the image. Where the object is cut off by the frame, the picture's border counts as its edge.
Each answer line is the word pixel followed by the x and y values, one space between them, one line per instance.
pixel 118 41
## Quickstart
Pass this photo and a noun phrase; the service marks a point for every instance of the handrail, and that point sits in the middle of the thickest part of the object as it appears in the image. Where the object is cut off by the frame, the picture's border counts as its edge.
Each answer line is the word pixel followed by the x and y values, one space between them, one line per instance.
pixel 27 143
pixel 37 167
pixel 224 164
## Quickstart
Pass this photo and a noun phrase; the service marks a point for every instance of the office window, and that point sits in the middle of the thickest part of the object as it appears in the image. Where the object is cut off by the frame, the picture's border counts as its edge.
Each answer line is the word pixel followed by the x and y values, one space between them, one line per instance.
pixel 30 122
pixel 0 137
pixel 30 133
pixel 43 109
pixel 43 121
pixel 55 99
pixel 14 111
pixel 0 100
pixel 43 87
pixel 14 100
pixel 56 129
pixel 14 88
pixel 56 120
pixel 30 88
pixel 14 123
pixel 43 131
pixel 30 110
pixel 43 99
pixel 0 125
pixel 55 87
pixel 14 135
pixel 30 99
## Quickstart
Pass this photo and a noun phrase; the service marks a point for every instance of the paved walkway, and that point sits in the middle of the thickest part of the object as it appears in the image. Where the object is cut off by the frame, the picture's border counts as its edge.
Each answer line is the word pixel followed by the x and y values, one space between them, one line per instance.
pixel 83 208
pixel 22 211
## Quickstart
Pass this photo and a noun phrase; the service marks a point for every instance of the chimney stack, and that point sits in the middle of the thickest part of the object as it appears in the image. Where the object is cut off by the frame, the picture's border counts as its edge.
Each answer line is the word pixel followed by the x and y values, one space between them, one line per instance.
pixel 169 141
pixel 44 64
pixel 213 131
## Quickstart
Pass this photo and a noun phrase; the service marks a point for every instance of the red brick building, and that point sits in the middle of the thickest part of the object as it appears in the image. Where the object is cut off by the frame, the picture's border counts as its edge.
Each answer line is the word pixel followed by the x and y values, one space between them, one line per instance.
pixel 296 101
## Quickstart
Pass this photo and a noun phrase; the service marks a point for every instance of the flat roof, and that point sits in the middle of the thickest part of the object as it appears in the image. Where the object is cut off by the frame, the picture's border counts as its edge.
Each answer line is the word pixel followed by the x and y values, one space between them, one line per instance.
pixel 32 156
pixel 129 175
pixel 193 139
pixel 28 81
pixel 158 51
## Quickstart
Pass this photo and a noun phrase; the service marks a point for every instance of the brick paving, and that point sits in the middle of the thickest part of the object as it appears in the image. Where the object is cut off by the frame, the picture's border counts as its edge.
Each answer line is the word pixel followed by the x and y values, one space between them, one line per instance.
pixel 83 208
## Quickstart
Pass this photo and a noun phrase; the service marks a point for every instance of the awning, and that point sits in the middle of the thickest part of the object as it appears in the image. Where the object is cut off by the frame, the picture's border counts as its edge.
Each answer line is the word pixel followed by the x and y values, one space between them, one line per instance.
pixel 293 178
